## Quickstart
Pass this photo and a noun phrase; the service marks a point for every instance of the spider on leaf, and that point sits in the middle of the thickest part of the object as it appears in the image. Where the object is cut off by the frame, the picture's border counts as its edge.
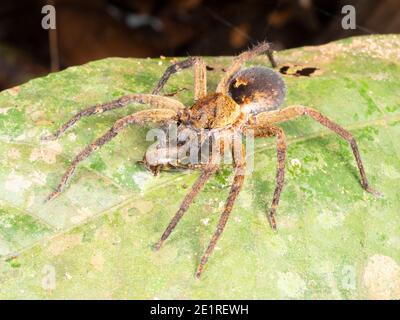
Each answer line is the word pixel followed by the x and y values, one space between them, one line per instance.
pixel 245 100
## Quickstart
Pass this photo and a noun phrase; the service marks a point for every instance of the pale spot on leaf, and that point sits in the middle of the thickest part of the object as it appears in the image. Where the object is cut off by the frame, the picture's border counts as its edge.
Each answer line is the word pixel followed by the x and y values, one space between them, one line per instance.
pixel 4 110
pixel 143 206
pixel 382 278
pixel 63 243
pixel 277 245
pixel 14 154
pixel 47 152
pixel 16 183
pixel 72 137
pixel 31 200
pixel 295 163
pixel 97 261
pixel 291 285
pixel 83 214
pixel 37 115
pixel 67 276
pixel 38 178
pixel 140 179
pixel 330 219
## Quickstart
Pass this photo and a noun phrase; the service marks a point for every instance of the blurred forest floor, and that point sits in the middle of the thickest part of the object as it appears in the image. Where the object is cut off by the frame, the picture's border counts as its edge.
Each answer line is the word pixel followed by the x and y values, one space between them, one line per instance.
pixel 96 29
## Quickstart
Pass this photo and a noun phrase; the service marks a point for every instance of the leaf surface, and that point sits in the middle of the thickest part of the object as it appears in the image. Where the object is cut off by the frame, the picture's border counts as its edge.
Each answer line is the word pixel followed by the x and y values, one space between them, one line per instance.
pixel 334 240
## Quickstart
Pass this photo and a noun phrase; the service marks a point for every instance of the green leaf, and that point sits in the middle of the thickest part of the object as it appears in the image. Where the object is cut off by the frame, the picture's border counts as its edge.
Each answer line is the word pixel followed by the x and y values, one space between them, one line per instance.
pixel 334 240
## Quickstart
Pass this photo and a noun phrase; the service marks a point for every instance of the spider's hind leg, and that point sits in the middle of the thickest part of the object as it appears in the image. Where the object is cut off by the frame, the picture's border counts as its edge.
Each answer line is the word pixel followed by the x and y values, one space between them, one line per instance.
pixel 298 110
pixel 265 132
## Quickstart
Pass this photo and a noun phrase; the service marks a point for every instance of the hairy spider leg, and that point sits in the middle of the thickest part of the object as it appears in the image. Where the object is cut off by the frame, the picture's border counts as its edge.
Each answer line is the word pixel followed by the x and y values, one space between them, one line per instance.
pixel 209 169
pixel 200 76
pixel 240 167
pixel 295 111
pixel 266 132
pixel 240 60
pixel 141 117
pixel 206 173
pixel 150 99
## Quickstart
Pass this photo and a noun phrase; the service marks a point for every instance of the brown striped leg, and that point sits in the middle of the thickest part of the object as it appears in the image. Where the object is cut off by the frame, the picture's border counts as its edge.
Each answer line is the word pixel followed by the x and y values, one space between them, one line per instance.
pixel 207 172
pixel 153 100
pixel 234 192
pixel 269 131
pixel 141 117
pixel 349 138
pixel 200 80
pixel 240 60
pixel 296 111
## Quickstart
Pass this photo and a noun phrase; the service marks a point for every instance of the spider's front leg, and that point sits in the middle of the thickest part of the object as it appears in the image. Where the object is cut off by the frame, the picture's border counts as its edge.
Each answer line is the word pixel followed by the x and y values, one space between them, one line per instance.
pixel 209 169
pixel 141 117
pixel 240 168
pixel 200 76
pixel 150 99
pixel 298 110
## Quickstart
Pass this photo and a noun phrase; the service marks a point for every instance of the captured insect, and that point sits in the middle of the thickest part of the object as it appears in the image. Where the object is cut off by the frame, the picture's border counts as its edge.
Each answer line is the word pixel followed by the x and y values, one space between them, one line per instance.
pixel 245 100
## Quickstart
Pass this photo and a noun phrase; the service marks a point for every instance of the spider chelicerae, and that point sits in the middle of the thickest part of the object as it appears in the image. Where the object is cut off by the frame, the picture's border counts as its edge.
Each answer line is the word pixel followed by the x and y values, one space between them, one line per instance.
pixel 246 100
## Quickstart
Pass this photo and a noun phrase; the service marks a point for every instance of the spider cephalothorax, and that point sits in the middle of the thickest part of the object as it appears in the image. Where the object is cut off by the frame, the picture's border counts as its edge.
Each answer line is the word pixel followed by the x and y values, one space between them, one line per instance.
pixel 246 101
pixel 213 111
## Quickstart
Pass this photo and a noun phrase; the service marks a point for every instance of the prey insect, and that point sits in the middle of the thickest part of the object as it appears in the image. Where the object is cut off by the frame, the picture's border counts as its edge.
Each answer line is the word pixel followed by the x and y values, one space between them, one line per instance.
pixel 245 100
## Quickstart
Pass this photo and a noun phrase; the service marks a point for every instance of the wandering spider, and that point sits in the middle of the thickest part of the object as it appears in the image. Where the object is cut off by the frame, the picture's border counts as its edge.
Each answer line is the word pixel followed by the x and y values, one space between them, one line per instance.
pixel 245 100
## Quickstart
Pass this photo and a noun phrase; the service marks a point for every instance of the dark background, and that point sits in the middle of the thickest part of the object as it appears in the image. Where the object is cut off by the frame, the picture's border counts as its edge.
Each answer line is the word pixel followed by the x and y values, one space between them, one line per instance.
pixel 94 29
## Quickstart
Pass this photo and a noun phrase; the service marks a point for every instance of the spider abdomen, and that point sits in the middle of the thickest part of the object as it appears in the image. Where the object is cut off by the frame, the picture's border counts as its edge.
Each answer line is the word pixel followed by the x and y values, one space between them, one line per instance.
pixel 259 89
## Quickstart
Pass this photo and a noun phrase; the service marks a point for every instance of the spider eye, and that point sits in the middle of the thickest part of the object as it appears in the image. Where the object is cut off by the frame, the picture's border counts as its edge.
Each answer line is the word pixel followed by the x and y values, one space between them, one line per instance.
pixel 260 89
